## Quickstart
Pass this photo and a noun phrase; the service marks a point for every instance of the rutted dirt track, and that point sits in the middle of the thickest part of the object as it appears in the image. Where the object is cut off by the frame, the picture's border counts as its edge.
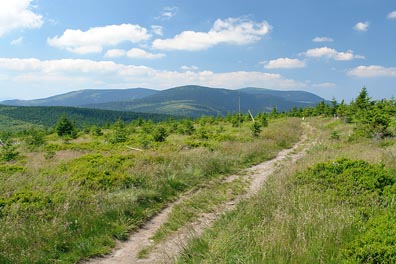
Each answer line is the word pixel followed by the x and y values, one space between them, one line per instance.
pixel 168 250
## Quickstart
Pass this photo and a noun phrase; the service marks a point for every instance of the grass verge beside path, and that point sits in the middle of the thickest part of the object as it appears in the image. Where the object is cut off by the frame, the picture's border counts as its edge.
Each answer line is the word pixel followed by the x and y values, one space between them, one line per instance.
pixel 63 211
pixel 333 206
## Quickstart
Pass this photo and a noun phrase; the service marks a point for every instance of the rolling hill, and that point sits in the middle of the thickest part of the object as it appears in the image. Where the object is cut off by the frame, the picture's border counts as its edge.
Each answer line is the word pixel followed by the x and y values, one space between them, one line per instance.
pixel 84 97
pixel 195 101
pixel 190 100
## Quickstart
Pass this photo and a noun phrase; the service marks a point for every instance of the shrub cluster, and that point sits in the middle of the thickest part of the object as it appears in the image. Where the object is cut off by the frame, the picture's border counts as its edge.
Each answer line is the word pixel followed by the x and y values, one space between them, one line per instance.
pixel 370 190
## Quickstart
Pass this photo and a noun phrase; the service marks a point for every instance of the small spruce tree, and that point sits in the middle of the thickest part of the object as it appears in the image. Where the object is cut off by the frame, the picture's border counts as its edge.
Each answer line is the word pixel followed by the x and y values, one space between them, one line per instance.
pixel 256 129
pixel 66 128
pixel 160 134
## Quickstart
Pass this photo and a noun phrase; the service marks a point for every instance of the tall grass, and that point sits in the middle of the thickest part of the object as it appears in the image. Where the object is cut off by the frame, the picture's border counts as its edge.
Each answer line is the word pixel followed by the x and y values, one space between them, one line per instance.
pixel 65 211
pixel 292 222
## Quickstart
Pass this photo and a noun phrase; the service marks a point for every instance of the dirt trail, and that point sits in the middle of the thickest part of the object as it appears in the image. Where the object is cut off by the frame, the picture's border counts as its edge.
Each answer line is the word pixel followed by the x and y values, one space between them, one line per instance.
pixel 168 250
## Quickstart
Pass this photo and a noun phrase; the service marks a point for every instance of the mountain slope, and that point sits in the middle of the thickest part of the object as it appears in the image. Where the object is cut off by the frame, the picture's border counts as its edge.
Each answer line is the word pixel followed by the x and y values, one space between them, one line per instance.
pixel 292 96
pixel 83 97
pixel 190 100
pixel 195 101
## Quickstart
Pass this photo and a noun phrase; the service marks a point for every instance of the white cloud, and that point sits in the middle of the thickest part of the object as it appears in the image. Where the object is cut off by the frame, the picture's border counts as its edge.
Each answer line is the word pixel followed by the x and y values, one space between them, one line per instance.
pixel 94 39
pixel 332 54
pixel 17 41
pixel 284 63
pixel 373 71
pixel 88 73
pixel 17 14
pixel 322 39
pixel 391 15
pixel 361 26
pixel 235 31
pixel 57 66
pixel 157 30
pixel 189 68
pixel 324 85
pixel 142 54
pixel 168 12
pixel 115 53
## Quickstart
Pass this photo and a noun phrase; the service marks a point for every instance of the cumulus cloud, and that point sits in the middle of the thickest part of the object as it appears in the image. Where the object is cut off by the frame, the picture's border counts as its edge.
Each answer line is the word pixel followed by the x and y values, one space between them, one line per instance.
pixel 115 53
pixel 234 31
pixel 391 15
pixel 322 39
pixel 373 71
pixel 18 14
pixel 62 65
pixel 94 39
pixel 189 68
pixel 361 26
pixel 332 54
pixel 142 54
pixel 111 74
pixel 284 63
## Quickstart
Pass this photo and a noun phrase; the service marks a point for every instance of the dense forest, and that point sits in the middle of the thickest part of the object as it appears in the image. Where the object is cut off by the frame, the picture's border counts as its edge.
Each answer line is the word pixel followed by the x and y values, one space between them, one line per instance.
pixel 48 115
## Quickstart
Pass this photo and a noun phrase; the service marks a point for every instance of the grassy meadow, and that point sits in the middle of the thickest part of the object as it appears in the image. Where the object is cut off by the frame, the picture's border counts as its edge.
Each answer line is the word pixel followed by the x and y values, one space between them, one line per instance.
pixel 67 198
pixel 335 205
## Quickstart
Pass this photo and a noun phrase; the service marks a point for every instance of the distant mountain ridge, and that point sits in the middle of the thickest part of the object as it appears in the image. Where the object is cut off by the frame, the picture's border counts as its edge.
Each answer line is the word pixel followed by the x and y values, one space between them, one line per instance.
pixel 84 97
pixel 189 100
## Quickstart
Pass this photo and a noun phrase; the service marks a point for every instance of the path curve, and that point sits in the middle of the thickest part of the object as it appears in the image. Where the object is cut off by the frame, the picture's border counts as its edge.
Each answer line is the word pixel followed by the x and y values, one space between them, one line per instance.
pixel 168 250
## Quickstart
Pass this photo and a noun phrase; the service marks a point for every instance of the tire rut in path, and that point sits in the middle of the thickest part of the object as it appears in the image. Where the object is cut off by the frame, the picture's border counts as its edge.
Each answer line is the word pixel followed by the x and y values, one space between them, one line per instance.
pixel 168 250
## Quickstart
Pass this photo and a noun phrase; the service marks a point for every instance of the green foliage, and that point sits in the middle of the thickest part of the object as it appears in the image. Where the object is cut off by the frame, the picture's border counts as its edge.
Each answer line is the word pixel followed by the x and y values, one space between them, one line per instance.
pixel 95 171
pixel 363 186
pixel 262 118
pixel 202 133
pixel 66 128
pixel 9 152
pixel 256 129
pixel 160 134
pixel 372 119
pixel 96 131
pixel 119 133
pixel 334 135
pixel 353 181
pixel 11 168
pixel 377 242
pixel 72 200
pixel 35 138
pixel 24 117
pixel 186 127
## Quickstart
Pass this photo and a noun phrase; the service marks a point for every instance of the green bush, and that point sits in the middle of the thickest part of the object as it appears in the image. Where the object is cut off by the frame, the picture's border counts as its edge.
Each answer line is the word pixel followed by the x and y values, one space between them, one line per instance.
pixel 377 243
pixel 160 134
pixel 95 171
pixel 9 152
pixel 35 138
pixel 66 128
pixel 256 129
pixel 370 190
pixel 355 181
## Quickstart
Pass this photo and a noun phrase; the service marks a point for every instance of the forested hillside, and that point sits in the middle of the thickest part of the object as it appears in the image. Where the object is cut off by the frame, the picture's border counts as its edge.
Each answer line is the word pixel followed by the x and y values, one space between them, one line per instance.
pixel 190 100
pixel 195 101
pixel 48 116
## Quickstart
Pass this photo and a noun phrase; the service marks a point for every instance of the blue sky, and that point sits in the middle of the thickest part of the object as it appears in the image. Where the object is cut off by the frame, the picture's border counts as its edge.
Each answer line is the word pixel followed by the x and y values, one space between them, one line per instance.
pixel 330 48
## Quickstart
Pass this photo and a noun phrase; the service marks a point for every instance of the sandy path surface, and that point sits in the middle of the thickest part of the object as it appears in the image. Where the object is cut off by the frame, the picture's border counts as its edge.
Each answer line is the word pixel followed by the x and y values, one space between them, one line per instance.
pixel 168 250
